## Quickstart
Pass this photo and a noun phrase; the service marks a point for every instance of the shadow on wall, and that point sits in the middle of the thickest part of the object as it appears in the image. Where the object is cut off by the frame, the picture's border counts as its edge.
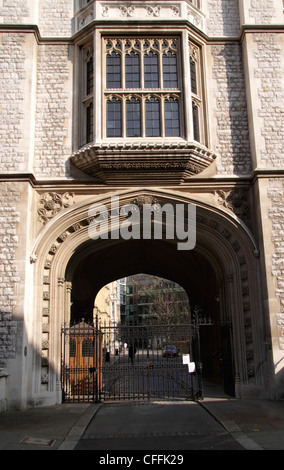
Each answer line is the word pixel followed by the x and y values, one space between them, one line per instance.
pixel 280 378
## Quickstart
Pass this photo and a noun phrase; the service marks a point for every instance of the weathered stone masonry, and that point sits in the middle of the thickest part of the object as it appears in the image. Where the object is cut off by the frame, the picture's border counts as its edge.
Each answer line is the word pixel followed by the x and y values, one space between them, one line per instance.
pixel 276 213
pixel 51 150
pixel 271 97
pixel 14 12
pixel 223 18
pixel 231 110
pixel 9 273
pixel 12 60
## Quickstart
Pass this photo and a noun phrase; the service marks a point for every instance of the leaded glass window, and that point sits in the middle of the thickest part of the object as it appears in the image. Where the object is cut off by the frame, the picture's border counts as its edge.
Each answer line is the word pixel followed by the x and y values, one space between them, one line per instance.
pixel 113 70
pixel 132 70
pixel 143 80
pixel 172 123
pixel 142 74
pixel 196 95
pixel 89 121
pixel 114 123
pixel 90 76
pixel 170 73
pixel 153 127
pixel 88 112
pixel 151 70
pixel 133 118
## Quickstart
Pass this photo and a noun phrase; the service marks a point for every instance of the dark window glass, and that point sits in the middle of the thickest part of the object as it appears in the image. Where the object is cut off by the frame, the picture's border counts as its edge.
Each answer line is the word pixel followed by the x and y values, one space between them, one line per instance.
pixel 193 76
pixel 89 122
pixel 132 70
pixel 153 127
pixel 133 118
pixel 114 128
pixel 113 70
pixel 151 70
pixel 87 348
pixel 170 74
pixel 172 127
pixel 195 117
pixel 90 76
pixel 72 346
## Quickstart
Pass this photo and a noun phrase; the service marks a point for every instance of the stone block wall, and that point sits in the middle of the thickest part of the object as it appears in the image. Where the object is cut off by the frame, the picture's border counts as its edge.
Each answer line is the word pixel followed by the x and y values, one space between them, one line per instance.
pixel 229 110
pixel 53 111
pixel 12 75
pixel 276 214
pixel 222 17
pixel 16 11
pixel 263 11
pixel 9 269
pixel 56 18
pixel 270 91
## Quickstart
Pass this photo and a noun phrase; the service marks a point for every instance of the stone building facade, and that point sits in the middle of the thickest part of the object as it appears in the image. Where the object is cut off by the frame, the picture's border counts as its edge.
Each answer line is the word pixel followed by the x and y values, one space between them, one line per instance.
pixel 58 158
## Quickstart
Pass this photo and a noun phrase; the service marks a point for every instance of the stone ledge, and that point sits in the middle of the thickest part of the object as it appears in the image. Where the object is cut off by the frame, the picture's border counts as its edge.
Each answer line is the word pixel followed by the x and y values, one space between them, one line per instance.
pixel 143 162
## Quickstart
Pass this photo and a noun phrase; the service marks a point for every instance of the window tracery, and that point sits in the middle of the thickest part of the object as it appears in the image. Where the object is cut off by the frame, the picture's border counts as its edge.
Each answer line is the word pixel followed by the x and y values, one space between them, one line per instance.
pixel 140 72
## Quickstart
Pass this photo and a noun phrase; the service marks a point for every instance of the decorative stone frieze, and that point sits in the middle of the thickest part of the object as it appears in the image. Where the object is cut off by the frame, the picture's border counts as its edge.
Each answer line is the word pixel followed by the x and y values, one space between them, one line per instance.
pixel 142 11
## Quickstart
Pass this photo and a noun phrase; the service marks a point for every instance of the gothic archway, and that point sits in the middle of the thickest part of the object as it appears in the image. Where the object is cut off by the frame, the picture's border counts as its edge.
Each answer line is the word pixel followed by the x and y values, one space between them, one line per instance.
pixel 225 252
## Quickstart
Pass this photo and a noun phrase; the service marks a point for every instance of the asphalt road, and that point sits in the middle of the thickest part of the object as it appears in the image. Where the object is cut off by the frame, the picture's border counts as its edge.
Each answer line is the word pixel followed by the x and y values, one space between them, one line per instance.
pixel 163 426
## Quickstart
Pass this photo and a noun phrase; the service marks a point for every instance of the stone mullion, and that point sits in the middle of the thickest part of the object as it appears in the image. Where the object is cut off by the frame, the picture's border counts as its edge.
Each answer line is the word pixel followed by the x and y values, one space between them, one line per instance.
pixel 162 116
pixel 143 117
pixel 123 116
pixel 161 71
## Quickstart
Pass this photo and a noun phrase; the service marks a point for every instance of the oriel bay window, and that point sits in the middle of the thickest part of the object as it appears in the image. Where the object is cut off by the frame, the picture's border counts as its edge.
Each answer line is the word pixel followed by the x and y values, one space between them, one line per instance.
pixel 142 108
pixel 142 88
pixel 144 84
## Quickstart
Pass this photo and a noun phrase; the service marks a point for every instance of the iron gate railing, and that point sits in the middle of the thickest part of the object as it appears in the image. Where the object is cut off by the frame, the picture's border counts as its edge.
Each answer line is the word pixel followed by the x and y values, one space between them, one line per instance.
pixel 130 362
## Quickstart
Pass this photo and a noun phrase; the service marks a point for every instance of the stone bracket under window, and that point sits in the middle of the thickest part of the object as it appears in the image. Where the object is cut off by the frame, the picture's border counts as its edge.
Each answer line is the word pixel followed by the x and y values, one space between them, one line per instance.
pixel 143 163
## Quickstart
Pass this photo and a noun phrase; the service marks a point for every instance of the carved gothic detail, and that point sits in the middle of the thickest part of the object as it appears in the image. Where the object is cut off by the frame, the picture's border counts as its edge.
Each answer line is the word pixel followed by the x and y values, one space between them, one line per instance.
pixel 127 10
pixel 175 10
pixel 141 200
pixel 251 371
pixel 51 204
pixel 44 362
pixel 33 259
pixel 153 11
pixel 44 379
pixel 46 296
pixel 236 201
pixel 53 249
pixel 47 264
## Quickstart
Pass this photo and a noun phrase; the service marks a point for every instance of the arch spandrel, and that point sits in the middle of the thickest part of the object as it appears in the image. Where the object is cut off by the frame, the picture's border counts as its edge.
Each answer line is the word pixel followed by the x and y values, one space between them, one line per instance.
pixel 77 216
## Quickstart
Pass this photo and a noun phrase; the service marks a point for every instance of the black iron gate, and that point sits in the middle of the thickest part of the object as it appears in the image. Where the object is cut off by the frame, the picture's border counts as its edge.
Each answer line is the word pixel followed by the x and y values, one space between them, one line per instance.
pixel 130 362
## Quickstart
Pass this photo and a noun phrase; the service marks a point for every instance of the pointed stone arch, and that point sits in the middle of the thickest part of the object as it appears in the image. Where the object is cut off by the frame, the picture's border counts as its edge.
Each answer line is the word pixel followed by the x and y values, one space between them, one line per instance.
pixel 223 241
